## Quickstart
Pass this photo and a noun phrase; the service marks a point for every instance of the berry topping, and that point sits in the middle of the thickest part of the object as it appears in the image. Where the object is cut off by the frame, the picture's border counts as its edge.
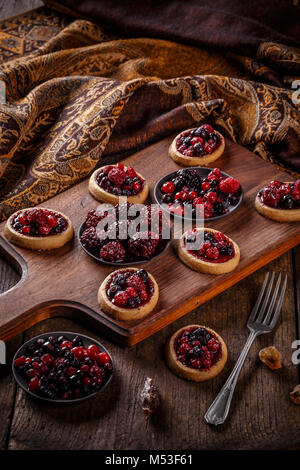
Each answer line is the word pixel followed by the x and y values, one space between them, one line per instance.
pixel 197 348
pixel 214 247
pixel 281 195
pixel 198 142
pixel 217 193
pixel 120 180
pixel 39 222
pixel 129 288
pixel 69 371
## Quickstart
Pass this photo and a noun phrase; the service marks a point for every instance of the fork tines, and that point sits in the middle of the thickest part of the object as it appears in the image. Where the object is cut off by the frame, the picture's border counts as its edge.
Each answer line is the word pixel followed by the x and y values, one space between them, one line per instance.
pixel 264 314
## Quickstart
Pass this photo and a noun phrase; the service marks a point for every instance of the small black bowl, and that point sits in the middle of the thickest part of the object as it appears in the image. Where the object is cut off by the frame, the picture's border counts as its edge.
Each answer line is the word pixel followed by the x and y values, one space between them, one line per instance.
pixel 163 246
pixel 87 341
pixel 202 171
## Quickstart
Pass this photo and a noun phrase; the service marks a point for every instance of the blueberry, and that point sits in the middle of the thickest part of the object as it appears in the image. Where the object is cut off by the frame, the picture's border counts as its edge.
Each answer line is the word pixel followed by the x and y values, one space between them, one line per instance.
pixel 167 198
pixel 287 202
pixel 142 273
pixel 187 141
pixel 77 341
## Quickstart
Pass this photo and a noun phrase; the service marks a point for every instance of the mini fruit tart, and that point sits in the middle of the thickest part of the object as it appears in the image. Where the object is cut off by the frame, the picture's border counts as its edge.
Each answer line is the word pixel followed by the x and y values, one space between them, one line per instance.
pixel 39 229
pixel 279 201
pixel 208 251
pixel 112 182
pixel 196 353
pixel 128 294
pixel 198 146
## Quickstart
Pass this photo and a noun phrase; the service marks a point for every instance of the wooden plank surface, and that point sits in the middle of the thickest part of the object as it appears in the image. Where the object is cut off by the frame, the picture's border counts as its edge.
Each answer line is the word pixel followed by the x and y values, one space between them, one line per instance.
pixel 39 294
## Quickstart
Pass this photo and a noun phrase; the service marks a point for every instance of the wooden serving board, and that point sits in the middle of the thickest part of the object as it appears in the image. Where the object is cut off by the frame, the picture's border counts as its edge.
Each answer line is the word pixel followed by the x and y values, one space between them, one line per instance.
pixel 65 282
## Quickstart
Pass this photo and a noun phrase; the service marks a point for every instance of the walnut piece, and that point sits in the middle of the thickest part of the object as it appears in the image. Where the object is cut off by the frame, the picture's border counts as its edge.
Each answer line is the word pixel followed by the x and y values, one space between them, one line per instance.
pixel 271 357
pixel 149 397
pixel 295 395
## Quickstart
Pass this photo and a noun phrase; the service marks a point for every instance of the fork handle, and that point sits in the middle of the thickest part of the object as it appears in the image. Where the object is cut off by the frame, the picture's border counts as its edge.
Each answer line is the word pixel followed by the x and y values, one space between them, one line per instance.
pixel 218 410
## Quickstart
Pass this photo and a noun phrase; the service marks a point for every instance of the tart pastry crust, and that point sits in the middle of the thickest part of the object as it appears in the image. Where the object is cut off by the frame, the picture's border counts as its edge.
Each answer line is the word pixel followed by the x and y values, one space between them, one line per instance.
pixel 280 215
pixel 196 161
pixel 49 242
pixel 206 266
pixel 127 314
pixel 195 374
pixel 102 195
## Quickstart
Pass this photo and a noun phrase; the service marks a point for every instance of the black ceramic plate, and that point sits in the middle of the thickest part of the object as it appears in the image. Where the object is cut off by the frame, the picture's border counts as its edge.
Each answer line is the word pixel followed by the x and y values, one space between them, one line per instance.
pixel 203 171
pixel 87 341
pixel 162 247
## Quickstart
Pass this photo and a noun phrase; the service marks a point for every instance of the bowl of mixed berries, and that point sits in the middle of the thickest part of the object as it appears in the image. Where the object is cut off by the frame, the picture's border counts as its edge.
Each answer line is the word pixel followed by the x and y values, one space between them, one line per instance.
pixel 198 192
pixel 106 235
pixel 62 367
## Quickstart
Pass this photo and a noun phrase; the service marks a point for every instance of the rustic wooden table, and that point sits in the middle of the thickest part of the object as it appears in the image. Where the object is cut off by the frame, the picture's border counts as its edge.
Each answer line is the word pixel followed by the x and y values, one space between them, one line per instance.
pixel 262 416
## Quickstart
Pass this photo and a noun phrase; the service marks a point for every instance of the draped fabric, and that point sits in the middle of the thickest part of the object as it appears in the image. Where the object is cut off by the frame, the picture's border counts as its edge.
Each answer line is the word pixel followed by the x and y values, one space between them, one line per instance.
pixel 95 83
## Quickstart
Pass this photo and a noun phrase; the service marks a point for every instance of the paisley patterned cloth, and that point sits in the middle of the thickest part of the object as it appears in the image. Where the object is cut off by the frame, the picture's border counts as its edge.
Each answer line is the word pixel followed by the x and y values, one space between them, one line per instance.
pixel 73 95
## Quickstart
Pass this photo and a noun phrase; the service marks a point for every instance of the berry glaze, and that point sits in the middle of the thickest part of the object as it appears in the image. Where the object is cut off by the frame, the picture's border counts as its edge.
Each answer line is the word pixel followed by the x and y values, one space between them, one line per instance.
pixel 281 195
pixel 130 288
pixel 113 246
pixel 120 180
pixel 216 247
pixel 197 348
pixel 58 368
pixel 39 223
pixel 217 193
pixel 198 142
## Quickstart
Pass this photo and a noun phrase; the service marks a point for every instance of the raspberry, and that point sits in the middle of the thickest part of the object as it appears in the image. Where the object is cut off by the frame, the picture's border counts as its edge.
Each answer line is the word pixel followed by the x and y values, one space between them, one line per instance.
pixel 229 185
pixel 196 363
pixel 113 251
pixel 44 229
pixel 188 152
pixel 26 229
pixel 143 244
pixel 197 200
pixel 136 283
pixel 207 128
pixel 131 292
pixel 297 185
pixel 117 176
pixel 207 148
pixel 270 198
pixel 52 221
pixel 213 345
pixel 89 238
pixel 130 172
pixel 215 174
pixel 212 253
pixel 120 299
pixel 285 189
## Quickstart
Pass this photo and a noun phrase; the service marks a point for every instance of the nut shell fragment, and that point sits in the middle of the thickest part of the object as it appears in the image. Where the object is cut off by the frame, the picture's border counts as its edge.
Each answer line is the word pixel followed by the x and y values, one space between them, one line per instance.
pixel 271 357
pixel 295 395
pixel 149 397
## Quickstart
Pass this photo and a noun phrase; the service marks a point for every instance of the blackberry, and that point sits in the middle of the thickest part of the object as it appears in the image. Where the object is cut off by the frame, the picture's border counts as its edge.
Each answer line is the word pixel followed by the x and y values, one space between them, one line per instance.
pixel 218 208
pixel 113 251
pixel 89 238
pixel 227 250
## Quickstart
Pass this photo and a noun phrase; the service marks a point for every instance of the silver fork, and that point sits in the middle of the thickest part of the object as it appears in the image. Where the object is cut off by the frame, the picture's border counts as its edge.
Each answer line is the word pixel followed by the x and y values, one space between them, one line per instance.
pixel 258 323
